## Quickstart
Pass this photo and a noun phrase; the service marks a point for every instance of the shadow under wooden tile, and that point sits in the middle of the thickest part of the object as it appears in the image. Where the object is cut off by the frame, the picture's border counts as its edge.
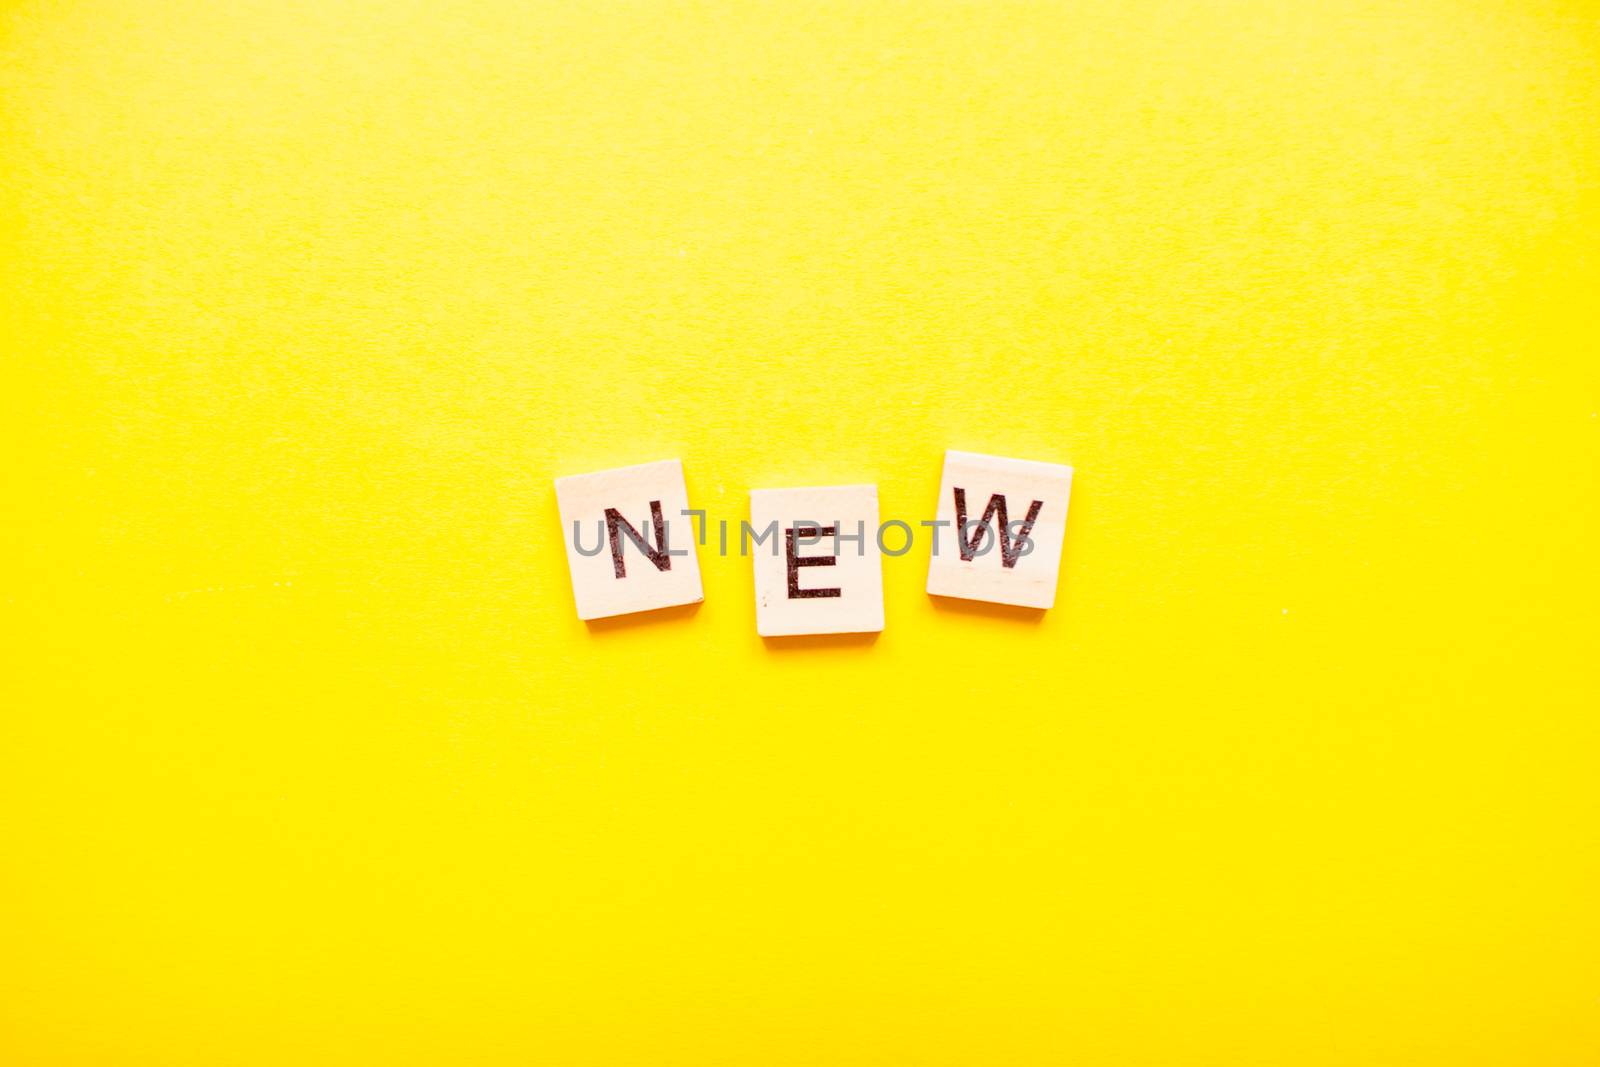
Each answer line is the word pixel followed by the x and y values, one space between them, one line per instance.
pixel 813 642
pixel 642 618
pixel 984 609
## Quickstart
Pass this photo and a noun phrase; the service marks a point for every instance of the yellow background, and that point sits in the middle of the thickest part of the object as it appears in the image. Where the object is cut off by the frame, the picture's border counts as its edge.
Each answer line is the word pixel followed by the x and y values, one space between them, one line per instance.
pixel 304 757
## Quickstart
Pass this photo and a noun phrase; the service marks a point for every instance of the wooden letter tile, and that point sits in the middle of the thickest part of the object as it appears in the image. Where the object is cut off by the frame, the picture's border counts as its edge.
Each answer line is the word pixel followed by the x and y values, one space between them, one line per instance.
pixel 633 548
pixel 817 565
pixel 987 505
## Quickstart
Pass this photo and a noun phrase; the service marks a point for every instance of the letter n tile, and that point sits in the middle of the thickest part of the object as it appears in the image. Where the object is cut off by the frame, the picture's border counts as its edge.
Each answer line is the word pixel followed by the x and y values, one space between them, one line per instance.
pixel 630 545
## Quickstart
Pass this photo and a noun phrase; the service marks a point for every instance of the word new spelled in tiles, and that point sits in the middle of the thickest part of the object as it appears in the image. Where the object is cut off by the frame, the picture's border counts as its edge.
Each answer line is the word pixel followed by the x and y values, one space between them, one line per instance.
pixel 997 536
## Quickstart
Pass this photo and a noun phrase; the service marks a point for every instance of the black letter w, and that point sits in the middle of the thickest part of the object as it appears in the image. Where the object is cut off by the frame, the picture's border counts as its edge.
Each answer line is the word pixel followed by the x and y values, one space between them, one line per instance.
pixel 1010 551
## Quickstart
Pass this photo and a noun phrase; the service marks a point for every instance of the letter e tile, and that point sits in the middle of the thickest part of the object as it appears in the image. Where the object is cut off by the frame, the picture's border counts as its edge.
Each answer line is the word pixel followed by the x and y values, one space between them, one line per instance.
pixel 818 570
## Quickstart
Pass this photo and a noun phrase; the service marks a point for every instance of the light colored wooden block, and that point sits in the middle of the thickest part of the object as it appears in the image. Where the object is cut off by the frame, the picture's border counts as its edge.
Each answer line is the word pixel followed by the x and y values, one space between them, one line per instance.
pixel 806 581
pixel 633 549
pixel 993 495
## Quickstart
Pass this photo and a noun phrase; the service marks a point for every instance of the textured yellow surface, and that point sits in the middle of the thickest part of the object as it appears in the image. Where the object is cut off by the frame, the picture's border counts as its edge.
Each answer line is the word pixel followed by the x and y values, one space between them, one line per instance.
pixel 304 757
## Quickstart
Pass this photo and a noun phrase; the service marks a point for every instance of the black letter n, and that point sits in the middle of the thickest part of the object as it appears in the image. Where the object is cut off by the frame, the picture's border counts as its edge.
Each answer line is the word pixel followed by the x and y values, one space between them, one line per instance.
pixel 657 555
